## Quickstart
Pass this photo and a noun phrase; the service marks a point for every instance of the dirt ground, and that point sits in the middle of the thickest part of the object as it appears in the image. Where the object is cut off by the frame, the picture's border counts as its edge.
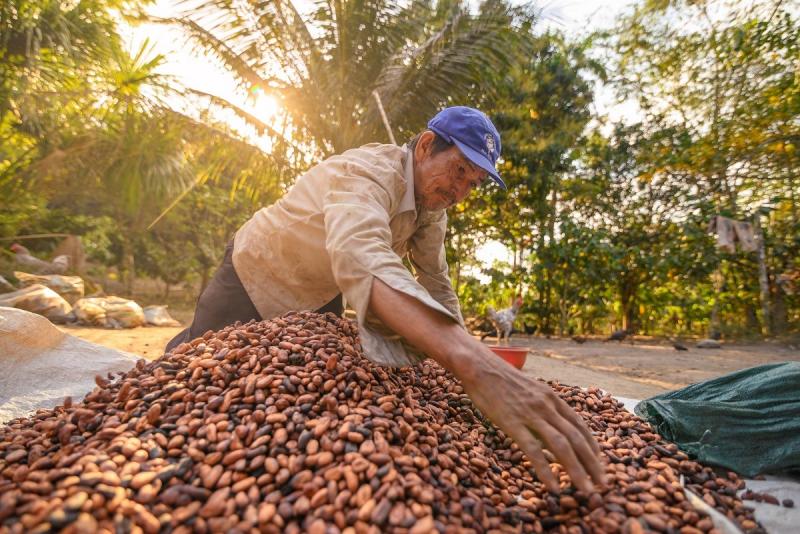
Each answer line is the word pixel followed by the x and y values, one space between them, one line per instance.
pixel 644 368
pixel 637 370
pixel 148 342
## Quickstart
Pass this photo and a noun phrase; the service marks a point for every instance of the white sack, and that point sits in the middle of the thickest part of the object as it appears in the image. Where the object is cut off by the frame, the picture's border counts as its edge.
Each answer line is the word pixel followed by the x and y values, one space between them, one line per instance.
pixel 159 316
pixel 110 312
pixel 69 287
pixel 39 299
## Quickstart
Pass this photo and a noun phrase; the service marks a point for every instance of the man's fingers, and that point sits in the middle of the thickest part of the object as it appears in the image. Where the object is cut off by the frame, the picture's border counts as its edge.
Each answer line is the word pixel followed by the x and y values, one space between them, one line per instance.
pixel 572 416
pixel 533 450
pixel 588 455
pixel 562 446
pixel 594 446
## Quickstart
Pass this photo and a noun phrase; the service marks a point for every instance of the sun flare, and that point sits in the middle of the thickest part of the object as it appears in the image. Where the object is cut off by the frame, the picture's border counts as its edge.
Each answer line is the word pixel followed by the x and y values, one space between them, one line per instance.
pixel 265 107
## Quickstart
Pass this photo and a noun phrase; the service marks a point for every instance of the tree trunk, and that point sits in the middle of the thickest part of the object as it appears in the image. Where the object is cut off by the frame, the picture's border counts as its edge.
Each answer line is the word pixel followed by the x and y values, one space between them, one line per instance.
pixel 540 286
pixel 763 277
pixel 717 279
pixel 563 309
pixel 627 300
pixel 751 318
pixel 551 227
pixel 551 222
pixel 780 314
pixel 128 266
pixel 629 320
pixel 548 329
pixel 458 264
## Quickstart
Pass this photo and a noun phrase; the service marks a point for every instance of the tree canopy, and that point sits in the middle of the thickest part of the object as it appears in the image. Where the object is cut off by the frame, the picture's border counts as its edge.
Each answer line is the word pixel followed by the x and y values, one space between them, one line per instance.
pixel 606 222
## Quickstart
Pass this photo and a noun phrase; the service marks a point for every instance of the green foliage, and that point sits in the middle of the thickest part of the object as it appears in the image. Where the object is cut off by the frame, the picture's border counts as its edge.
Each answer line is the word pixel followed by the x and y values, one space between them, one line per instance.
pixel 541 108
pixel 606 223
pixel 106 157
pixel 717 83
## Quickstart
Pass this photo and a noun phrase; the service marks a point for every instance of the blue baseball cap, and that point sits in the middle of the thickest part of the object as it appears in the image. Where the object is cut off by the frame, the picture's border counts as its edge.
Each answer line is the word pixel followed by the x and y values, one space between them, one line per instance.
pixel 474 135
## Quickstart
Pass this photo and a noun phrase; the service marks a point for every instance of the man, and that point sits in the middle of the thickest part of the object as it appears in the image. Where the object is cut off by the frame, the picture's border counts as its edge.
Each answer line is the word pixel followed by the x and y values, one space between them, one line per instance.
pixel 345 226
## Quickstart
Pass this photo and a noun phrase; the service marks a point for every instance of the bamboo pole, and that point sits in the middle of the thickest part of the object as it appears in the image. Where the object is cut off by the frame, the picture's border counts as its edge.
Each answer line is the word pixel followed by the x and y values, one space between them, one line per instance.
pixel 383 116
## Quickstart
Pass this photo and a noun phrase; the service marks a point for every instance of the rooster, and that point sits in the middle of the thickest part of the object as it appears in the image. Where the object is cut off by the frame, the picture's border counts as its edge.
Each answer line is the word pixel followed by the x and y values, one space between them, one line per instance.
pixel 34 265
pixel 503 320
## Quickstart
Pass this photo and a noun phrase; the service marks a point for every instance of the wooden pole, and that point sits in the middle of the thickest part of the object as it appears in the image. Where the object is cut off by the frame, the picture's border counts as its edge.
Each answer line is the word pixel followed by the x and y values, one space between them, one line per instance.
pixel 383 116
pixel 32 236
pixel 763 278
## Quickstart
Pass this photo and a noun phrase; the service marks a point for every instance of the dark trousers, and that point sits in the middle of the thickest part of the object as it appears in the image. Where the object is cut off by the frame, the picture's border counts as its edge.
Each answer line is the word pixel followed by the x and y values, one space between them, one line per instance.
pixel 224 301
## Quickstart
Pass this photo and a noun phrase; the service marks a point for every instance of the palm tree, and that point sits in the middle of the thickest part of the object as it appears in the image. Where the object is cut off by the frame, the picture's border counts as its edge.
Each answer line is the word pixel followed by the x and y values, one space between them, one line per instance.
pixel 138 154
pixel 87 126
pixel 47 49
pixel 324 65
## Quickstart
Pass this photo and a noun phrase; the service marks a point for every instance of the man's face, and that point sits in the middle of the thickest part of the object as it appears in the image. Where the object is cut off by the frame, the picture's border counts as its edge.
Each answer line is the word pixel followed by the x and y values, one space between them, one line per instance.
pixel 444 179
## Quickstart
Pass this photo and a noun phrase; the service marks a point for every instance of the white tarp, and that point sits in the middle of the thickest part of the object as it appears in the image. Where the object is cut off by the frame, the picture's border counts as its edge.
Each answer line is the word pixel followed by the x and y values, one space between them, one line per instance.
pixel 40 365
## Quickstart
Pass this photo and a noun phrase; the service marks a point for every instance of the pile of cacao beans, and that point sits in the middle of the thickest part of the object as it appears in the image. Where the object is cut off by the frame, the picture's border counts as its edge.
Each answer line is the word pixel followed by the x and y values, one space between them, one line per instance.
pixel 283 426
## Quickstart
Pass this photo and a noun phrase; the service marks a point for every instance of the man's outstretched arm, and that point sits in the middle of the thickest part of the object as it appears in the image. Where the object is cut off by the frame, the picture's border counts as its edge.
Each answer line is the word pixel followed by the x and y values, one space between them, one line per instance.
pixel 525 409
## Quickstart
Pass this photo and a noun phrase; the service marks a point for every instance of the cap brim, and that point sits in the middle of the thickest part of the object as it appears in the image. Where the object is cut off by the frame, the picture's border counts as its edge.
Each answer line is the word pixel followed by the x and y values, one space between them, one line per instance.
pixel 481 161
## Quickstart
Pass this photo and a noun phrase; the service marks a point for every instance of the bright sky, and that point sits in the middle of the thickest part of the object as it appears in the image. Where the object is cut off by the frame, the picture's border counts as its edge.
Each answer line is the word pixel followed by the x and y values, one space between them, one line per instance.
pixel 198 71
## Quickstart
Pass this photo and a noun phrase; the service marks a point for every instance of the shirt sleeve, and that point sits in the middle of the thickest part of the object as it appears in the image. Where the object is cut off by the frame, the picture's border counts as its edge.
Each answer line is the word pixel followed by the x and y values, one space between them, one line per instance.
pixel 356 209
pixel 427 255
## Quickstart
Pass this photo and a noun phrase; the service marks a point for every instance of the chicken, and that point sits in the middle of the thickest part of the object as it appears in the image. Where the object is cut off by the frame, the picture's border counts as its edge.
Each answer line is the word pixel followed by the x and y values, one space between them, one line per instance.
pixel 618 335
pixel 34 265
pixel 529 329
pixel 679 346
pixel 503 320
pixel 489 333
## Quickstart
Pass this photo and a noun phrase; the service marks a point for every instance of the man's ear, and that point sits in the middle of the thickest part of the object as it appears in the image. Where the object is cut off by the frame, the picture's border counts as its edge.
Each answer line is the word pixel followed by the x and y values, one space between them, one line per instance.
pixel 424 145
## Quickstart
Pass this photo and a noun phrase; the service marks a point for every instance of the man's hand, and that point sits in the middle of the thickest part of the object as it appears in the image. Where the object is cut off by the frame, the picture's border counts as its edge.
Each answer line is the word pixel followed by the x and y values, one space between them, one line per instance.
pixel 525 409
pixel 531 413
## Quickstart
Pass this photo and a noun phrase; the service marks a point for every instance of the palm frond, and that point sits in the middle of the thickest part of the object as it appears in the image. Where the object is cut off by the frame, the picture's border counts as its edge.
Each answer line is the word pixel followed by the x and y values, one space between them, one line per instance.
pixel 420 56
pixel 237 63
pixel 452 66
pixel 269 34
pixel 260 126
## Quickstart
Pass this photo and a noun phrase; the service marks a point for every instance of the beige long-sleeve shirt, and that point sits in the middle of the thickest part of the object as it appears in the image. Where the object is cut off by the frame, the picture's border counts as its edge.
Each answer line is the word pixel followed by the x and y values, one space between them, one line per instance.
pixel 349 219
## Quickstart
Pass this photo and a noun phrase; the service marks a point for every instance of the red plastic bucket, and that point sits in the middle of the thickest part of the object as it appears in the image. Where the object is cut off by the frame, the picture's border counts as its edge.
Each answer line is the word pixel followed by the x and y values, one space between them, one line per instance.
pixel 516 356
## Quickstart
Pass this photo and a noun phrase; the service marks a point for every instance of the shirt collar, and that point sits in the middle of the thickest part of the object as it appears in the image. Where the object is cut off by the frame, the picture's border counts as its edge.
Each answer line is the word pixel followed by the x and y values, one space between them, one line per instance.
pixel 408 202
